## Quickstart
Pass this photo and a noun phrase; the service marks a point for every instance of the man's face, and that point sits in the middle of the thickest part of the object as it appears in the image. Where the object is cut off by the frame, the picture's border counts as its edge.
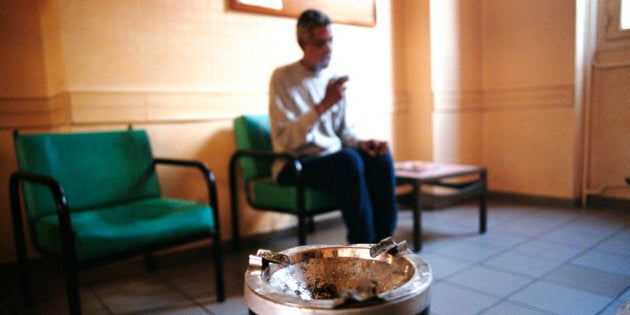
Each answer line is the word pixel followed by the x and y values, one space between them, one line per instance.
pixel 318 51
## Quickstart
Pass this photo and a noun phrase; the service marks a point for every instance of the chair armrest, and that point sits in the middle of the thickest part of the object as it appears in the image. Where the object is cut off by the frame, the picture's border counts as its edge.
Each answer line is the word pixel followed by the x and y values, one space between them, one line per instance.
pixel 205 171
pixel 297 167
pixel 261 154
pixel 264 155
pixel 61 205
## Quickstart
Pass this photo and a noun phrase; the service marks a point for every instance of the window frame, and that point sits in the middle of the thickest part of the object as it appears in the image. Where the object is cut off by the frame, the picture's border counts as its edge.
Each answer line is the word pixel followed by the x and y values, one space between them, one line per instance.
pixel 613 27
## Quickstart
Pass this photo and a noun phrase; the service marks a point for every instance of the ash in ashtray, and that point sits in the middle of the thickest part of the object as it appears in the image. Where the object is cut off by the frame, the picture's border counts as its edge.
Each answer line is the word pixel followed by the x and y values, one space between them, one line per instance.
pixel 322 291
pixel 332 278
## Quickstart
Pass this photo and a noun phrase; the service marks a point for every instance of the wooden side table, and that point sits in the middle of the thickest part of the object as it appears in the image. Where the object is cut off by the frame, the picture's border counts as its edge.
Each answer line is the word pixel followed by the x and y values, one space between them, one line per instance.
pixel 418 173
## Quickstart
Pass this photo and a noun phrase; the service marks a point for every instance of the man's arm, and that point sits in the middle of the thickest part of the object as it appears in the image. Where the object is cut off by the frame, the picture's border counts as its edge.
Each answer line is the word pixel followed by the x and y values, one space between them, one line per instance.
pixel 335 91
pixel 291 122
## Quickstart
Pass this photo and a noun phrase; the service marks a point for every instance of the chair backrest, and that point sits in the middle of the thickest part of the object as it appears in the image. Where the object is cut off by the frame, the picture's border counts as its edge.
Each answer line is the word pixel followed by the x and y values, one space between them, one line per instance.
pixel 95 169
pixel 252 133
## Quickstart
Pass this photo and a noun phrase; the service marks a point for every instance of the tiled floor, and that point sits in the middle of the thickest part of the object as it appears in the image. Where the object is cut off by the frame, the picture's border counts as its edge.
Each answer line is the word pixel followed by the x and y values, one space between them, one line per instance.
pixel 532 260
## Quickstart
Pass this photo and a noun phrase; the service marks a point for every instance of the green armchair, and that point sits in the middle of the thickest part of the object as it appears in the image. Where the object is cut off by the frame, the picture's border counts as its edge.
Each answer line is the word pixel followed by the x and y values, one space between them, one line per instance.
pixel 255 155
pixel 93 198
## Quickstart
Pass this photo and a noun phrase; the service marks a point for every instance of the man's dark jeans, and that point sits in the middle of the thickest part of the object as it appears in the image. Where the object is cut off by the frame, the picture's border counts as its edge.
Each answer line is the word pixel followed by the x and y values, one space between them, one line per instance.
pixel 364 187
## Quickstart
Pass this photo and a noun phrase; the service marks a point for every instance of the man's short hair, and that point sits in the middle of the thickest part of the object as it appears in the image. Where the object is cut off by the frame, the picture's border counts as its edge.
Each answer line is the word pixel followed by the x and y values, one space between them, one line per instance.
pixel 307 21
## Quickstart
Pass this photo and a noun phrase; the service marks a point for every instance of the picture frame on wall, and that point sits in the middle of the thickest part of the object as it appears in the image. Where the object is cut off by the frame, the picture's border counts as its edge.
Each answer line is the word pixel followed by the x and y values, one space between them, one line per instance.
pixel 355 12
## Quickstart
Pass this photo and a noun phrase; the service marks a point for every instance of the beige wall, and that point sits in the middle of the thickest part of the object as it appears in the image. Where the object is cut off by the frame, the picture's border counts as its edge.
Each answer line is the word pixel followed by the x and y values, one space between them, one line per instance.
pixel 503 91
pixel 528 82
pixel 476 81
pixel 456 80
pixel 607 150
pixel 412 79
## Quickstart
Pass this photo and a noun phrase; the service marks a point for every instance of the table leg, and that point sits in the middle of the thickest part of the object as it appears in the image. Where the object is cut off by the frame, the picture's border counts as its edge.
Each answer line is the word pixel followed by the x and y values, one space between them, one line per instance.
pixel 483 203
pixel 417 216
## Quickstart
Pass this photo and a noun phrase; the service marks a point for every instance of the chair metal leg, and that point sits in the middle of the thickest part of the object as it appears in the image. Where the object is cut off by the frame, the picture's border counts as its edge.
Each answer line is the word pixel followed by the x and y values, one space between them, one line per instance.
pixel 20 242
pixel 417 216
pixel 301 210
pixel 301 230
pixel 311 224
pixel 72 290
pixel 236 241
pixel 218 270
pixel 25 280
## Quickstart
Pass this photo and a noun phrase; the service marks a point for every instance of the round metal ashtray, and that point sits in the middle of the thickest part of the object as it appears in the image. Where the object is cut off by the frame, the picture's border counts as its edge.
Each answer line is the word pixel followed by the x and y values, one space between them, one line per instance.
pixel 383 278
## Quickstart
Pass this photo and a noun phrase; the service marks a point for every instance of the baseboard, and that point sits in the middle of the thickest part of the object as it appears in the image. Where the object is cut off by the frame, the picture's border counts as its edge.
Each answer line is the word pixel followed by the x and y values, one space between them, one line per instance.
pixel 534 199
pixel 607 202
pixel 593 201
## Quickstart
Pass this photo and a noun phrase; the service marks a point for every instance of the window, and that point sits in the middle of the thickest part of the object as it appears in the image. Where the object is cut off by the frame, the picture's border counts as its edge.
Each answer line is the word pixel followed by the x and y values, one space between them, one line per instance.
pixel 624 13
pixel 618 12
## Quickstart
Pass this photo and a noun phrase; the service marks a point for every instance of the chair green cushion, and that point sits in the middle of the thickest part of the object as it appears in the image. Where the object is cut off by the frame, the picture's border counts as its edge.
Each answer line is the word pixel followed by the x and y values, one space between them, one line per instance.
pixel 267 194
pixel 102 232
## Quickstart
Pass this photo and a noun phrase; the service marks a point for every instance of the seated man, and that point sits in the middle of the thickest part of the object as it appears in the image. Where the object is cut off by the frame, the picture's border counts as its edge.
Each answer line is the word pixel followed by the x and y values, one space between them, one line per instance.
pixel 307 110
